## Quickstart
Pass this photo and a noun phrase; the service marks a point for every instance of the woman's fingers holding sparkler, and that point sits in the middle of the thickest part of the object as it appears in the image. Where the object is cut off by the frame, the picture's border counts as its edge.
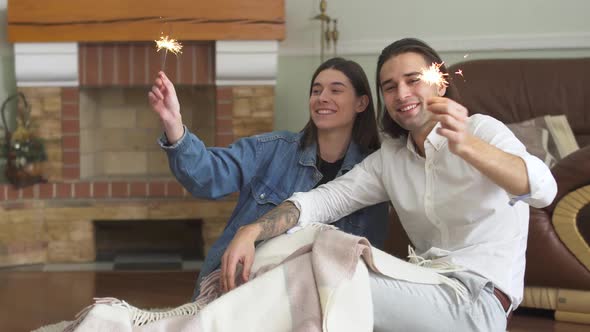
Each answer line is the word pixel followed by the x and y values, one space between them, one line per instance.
pixel 166 82
pixel 164 102
pixel 164 95
pixel 156 93
pixel 156 99
pixel 158 89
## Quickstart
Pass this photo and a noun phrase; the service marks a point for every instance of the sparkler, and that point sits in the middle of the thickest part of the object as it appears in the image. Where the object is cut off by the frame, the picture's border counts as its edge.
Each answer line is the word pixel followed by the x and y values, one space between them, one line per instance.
pixel 434 76
pixel 168 44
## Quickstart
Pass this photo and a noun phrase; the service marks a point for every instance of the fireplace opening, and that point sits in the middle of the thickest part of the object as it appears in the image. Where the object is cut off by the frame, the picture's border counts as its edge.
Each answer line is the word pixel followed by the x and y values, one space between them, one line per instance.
pixel 148 244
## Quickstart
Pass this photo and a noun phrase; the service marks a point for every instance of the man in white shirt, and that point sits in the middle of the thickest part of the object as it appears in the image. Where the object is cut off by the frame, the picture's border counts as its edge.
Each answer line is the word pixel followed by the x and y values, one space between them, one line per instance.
pixel 461 185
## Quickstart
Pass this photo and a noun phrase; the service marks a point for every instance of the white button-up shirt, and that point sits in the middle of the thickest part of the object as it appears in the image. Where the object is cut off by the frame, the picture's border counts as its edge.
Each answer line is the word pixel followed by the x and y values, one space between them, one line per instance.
pixel 449 209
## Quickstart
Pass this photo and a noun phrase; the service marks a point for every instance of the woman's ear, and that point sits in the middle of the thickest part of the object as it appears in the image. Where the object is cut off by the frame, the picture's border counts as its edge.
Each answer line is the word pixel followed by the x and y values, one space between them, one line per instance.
pixel 441 90
pixel 362 104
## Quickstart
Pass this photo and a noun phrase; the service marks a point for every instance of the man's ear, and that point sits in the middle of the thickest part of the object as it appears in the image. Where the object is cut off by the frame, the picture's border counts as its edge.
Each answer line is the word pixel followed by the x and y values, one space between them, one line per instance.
pixel 362 104
pixel 441 90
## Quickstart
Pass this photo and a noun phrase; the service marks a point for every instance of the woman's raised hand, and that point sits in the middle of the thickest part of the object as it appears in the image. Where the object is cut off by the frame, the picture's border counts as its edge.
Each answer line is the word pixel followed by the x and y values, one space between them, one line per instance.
pixel 165 103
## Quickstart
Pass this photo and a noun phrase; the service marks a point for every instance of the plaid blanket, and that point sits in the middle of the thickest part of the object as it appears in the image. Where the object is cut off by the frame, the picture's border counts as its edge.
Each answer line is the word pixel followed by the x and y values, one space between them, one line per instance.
pixel 310 280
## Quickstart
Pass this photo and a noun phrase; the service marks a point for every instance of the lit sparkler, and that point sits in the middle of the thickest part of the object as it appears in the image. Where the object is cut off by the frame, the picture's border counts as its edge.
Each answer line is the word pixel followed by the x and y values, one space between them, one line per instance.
pixel 434 76
pixel 168 44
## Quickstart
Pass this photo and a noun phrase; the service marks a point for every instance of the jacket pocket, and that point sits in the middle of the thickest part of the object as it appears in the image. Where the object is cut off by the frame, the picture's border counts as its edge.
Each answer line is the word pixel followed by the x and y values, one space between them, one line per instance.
pixel 265 194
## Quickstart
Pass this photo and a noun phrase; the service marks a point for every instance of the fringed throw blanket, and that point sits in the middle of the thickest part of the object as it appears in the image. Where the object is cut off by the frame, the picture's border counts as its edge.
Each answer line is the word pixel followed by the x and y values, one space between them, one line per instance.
pixel 310 280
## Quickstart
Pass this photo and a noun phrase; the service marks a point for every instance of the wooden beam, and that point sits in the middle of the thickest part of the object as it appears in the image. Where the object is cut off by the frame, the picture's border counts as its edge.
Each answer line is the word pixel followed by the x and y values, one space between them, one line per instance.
pixel 144 20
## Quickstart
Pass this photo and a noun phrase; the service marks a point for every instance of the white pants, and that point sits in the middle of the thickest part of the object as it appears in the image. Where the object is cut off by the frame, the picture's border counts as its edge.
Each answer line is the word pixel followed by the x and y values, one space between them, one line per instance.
pixel 405 306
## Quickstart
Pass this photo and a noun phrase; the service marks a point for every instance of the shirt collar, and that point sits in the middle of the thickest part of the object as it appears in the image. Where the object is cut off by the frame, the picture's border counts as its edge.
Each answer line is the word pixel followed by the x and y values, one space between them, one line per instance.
pixel 436 140
pixel 308 156
pixel 352 157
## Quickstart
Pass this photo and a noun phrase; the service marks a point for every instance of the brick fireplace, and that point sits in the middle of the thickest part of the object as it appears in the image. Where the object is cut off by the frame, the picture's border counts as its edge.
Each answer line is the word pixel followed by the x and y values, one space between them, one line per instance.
pixel 89 102
pixel 100 138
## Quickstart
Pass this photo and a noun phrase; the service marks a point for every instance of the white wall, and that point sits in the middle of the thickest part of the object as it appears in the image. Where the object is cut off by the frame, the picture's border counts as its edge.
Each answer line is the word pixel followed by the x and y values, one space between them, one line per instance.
pixel 449 25
pixel 478 29
pixel 7 79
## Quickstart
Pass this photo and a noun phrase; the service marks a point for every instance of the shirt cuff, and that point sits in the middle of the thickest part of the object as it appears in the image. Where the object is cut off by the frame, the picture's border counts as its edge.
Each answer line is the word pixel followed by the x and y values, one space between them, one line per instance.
pixel 303 220
pixel 542 187
pixel 516 199
pixel 164 144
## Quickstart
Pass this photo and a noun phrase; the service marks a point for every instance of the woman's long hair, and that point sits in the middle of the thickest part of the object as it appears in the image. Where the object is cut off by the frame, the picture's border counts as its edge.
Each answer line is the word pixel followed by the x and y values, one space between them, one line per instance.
pixel 364 131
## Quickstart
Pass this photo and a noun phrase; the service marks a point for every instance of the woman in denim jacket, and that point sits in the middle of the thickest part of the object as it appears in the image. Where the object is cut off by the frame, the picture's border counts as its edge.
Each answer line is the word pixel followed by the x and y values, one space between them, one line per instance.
pixel 267 169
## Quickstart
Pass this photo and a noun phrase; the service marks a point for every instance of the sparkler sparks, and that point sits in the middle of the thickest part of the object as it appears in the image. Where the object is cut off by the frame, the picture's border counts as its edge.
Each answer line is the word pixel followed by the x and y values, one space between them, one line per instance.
pixel 433 75
pixel 169 44
pixel 459 72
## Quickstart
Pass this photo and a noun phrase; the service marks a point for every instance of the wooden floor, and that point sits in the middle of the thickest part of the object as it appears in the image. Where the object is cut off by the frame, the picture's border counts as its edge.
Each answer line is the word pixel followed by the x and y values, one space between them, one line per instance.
pixel 29 300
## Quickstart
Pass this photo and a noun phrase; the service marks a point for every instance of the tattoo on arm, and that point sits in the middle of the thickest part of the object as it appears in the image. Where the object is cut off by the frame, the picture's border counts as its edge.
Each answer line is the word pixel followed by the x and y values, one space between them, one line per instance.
pixel 278 220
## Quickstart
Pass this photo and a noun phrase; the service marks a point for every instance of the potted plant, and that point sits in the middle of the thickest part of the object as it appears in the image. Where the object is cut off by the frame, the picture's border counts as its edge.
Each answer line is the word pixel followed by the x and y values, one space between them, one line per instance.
pixel 23 150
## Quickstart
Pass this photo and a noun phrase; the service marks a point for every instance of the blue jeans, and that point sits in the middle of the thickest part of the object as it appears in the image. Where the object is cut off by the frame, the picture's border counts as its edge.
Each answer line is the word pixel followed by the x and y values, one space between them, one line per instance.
pixel 405 306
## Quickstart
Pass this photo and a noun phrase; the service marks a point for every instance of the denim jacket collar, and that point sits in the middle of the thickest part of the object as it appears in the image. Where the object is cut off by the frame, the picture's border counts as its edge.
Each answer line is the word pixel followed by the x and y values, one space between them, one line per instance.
pixel 353 156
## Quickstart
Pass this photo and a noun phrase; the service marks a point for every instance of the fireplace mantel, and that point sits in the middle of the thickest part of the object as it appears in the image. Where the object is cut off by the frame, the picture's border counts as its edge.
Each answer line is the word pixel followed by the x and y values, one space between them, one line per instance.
pixel 243 63
pixel 47 34
pixel 144 20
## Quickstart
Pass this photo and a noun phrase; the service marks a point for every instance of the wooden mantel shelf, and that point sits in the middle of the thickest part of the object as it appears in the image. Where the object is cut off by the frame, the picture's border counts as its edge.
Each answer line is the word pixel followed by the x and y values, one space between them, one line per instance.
pixel 144 20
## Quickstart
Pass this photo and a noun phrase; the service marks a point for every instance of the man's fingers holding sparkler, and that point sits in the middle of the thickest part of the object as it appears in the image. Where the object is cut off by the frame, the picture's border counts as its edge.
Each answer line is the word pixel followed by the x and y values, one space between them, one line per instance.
pixel 453 119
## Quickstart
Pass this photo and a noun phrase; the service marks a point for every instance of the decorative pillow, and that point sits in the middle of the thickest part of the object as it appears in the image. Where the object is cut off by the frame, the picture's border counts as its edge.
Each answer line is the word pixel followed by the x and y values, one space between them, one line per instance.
pixel 562 134
pixel 535 139
pixel 548 137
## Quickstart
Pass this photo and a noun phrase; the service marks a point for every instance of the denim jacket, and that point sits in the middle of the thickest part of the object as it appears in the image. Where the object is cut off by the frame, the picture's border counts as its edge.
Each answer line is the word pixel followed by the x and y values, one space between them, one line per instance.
pixel 266 169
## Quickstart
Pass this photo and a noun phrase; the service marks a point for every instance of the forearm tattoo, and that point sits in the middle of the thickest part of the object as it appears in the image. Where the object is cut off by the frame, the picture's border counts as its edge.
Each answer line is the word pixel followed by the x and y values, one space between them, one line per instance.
pixel 278 220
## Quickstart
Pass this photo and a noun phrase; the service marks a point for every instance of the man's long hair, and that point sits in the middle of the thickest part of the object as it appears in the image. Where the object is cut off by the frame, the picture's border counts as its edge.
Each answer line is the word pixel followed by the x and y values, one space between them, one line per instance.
pixel 406 45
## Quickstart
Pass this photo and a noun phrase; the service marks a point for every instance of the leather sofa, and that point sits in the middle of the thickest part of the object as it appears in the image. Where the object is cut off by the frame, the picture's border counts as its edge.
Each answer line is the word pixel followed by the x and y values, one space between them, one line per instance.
pixel 557 273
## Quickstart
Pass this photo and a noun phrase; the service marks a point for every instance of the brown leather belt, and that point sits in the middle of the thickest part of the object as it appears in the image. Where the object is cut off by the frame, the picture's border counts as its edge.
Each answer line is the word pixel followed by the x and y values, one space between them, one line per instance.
pixel 505 301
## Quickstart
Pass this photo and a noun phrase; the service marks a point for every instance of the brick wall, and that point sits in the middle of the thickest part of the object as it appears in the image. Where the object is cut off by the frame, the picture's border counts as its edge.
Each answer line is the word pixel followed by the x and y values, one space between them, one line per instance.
pixel 133 64
pixel 243 111
pixel 118 130
pixel 240 112
pixel 84 190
